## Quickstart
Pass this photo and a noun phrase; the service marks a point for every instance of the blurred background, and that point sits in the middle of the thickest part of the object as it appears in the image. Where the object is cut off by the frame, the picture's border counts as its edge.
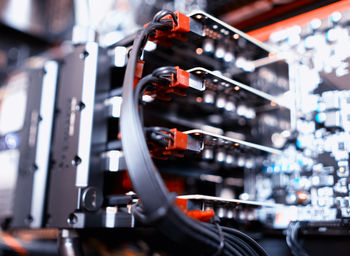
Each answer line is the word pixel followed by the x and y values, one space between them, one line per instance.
pixel 29 27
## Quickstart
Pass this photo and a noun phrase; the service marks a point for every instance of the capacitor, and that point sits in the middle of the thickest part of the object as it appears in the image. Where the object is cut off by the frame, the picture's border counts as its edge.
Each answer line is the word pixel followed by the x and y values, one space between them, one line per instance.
pixel 230 159
pixel 208 46
pixel 241 161
pixel 229 57
pixel 230 106
pixel 209 97
pixel 220 156
pixel 249 164
pixel 208 154
pixel 220 101
pixel 220 52
pixel 303 197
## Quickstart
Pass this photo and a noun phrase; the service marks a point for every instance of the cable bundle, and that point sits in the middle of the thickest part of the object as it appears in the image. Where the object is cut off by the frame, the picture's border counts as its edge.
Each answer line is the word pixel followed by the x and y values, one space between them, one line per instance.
pixel 292 239
pixel 157 203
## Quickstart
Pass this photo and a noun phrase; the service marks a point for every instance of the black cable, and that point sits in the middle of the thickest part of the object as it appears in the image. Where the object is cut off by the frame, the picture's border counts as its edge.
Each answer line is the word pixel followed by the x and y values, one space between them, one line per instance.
pixel 239 245
pixel 130 120
pixel 164 72
pixel 292 239
pixel 142 82
pixel 289 239
pixel 161 76
pixel 236 245
pixel 160 129
pixel 144 175
pixel 146 180
pixel 159 135
pixel 162 13
pixel 236 242
pixel 247 239
pixel 239 238
pixel 126 41
pixel 222 240
pixel 139 214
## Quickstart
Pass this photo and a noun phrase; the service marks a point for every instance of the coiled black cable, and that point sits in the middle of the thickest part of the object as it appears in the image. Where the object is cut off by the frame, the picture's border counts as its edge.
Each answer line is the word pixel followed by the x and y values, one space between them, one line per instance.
pixel 144 175
pixel 292 239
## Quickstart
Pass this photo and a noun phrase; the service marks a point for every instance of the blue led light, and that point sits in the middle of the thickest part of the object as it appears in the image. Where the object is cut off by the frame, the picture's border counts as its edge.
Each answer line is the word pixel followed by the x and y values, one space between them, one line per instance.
pixel 298 144
pixel 320 117
pixel 11 140
pixel 300 162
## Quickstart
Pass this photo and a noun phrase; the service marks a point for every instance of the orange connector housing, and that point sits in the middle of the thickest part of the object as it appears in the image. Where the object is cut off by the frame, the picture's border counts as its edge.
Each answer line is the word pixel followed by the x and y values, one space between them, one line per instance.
pixel 182 79
pixel 183 22
pixel 204 216
pixel 179 82
pixel 179 142
pixel 176 147
pixel 138 71
pixel 177 32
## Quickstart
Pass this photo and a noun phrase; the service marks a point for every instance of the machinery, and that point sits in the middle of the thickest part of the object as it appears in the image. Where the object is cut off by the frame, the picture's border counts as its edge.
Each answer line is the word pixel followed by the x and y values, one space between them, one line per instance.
pixel 189 135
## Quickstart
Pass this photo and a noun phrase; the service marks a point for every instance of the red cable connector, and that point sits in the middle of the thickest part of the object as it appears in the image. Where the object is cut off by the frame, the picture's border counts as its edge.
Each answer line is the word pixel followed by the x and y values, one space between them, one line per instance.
pixel 179 141
pixel 182 79
pixel 138 71
pixel 178 30
pixel 176 146
pixel 204 216
pixel 179 82
pixel 183 22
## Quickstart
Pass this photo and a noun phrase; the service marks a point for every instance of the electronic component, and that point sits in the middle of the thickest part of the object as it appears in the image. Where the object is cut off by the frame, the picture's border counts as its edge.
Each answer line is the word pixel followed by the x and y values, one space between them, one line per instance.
pixel 213 139
pixel 312 175
pixel 235 209
pixel 189 126
pixel 218 30
pixel 219 97
pixel 26 141
pixel 79 139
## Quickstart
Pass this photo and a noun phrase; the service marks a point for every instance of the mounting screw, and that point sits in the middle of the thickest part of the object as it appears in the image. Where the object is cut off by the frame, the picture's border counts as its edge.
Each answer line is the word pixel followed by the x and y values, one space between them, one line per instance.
pixel 29 219
pixel 72 219
pixel 76 161
pixel 80 106
pixel 84 54
pixel 91 199
pixel 34 167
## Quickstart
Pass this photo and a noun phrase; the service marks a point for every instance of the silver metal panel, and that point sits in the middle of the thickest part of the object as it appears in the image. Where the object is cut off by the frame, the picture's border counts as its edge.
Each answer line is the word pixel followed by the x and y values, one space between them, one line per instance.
pixel 225 200
pixel 212 19
pixel 264 95
pixel 242 142
pixel 86 117
pixel 43 142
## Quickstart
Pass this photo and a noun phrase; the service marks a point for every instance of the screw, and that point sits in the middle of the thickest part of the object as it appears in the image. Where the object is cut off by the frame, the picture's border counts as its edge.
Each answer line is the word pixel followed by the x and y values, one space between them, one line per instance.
pixel 84 54
pixel 72 219
pixel 91 199
pixel 76 161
